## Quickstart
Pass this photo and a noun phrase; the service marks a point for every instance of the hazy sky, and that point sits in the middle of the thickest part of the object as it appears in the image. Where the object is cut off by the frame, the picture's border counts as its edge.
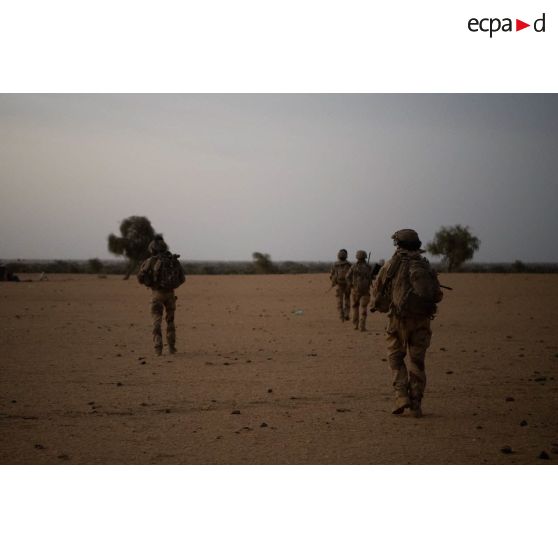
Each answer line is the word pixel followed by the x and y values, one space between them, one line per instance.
pixel 297 176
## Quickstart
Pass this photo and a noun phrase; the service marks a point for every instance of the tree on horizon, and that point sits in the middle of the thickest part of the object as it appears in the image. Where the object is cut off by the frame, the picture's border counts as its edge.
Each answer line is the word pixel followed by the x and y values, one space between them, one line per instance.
pixel 136 234
pixel 455 244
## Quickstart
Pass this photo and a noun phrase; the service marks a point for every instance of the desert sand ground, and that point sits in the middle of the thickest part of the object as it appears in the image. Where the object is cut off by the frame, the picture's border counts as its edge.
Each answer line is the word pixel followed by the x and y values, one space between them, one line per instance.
pixel 255 382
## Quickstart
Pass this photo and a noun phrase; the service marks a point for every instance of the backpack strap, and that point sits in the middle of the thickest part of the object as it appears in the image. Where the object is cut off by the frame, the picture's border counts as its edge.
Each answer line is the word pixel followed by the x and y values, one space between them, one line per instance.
pixel 393 268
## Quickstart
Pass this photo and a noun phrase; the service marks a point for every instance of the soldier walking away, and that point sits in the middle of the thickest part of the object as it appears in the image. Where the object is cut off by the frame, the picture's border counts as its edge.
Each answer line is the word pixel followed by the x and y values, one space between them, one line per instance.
pixel 360 278
pixel 407 288
pixel 338 278
pixel 162 273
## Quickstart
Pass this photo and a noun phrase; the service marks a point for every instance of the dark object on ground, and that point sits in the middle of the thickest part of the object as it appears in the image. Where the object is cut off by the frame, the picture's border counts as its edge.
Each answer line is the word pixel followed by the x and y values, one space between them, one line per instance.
pixel 506 449
pixel 510 399
pixel 7 275
pixel 263 425
pixel 235 413
pixel 523 423
pixel 544 455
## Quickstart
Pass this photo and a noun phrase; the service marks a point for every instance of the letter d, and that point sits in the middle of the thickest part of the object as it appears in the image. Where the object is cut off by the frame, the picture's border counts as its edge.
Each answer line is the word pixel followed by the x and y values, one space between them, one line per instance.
pixel 537 21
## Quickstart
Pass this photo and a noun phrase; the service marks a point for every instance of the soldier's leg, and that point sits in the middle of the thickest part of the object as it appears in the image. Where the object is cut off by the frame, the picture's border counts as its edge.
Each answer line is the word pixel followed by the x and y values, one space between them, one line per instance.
pixel 346 303
pixel 170 307
pixel 356 304
pixel 419 341
pixel 157 315
pixel 396 343
pixel 339 297
pixel 364 301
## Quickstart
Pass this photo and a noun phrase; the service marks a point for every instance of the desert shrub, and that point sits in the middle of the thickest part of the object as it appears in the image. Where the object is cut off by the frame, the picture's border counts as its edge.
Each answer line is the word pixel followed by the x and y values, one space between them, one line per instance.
pixel 455 244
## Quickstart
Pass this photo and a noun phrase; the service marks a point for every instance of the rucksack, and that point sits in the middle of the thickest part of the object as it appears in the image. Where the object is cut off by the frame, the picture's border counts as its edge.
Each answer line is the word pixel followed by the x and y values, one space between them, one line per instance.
pixel 167 272
pixel 361 278
pixel 415 289
pixel 340 271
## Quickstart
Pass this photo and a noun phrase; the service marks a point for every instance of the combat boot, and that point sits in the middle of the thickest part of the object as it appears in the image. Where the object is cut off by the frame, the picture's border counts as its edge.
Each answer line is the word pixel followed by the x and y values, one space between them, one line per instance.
pixel 172 349
pixel 158 351
pixel 401 403
pixel 416 409
pixel 362 326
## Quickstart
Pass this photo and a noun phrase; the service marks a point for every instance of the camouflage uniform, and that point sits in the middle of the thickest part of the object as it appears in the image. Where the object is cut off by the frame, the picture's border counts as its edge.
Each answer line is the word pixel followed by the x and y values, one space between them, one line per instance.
pixel 338 279
pixel 163 300
pixel 360 278
pixel 405 334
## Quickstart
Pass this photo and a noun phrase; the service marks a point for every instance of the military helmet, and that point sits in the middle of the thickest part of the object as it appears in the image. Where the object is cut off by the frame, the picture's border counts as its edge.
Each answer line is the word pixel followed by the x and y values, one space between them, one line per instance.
pixel 361 255
pixel 342 254
pixel 157 245
pixel 407 236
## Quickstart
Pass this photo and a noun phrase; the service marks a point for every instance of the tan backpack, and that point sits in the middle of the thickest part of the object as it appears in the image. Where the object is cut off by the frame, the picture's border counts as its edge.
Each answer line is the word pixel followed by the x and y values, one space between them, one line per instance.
pixel 415 289
pixel 361 278
pixel 340 270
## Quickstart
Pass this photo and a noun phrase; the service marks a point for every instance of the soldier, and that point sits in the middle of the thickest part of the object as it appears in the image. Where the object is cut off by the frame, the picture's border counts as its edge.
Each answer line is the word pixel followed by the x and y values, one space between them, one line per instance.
pixel 360 278
pixel 338 278
pixel 162 273
pixel 408 289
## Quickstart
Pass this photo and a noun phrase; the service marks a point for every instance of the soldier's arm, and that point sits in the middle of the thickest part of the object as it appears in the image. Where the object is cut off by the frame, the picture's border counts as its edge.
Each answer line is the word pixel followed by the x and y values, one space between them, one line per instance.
pixel 333 276
pixel 349 277
pixel 144 273
pixel 378 283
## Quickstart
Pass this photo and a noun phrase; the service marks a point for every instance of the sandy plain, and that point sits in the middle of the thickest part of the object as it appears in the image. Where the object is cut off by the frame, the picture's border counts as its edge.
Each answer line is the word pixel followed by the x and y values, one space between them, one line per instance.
pixel 267 374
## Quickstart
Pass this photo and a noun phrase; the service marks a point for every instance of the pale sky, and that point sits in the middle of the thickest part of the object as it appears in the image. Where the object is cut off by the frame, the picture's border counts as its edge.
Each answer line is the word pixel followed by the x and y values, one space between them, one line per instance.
pixel 296 176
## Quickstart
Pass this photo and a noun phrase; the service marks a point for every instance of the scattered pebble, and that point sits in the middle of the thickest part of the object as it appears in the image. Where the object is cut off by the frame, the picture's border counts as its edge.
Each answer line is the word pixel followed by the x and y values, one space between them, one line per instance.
pixel 39 446
pixel 263 425
pixel 523 423
pixel 449 372
pixel 119 384
pixel 64 457
pixel 510 399
pixel 544 455
pixel 237 412
pixel 343 410
pixel 269 390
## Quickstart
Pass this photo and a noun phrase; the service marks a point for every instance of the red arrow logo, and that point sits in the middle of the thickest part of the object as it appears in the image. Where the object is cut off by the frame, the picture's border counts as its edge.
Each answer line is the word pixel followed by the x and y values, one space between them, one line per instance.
pixel 519 25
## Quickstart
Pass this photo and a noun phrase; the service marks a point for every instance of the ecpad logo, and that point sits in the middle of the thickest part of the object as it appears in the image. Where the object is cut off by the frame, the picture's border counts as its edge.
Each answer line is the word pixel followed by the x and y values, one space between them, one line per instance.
pixel 493 25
